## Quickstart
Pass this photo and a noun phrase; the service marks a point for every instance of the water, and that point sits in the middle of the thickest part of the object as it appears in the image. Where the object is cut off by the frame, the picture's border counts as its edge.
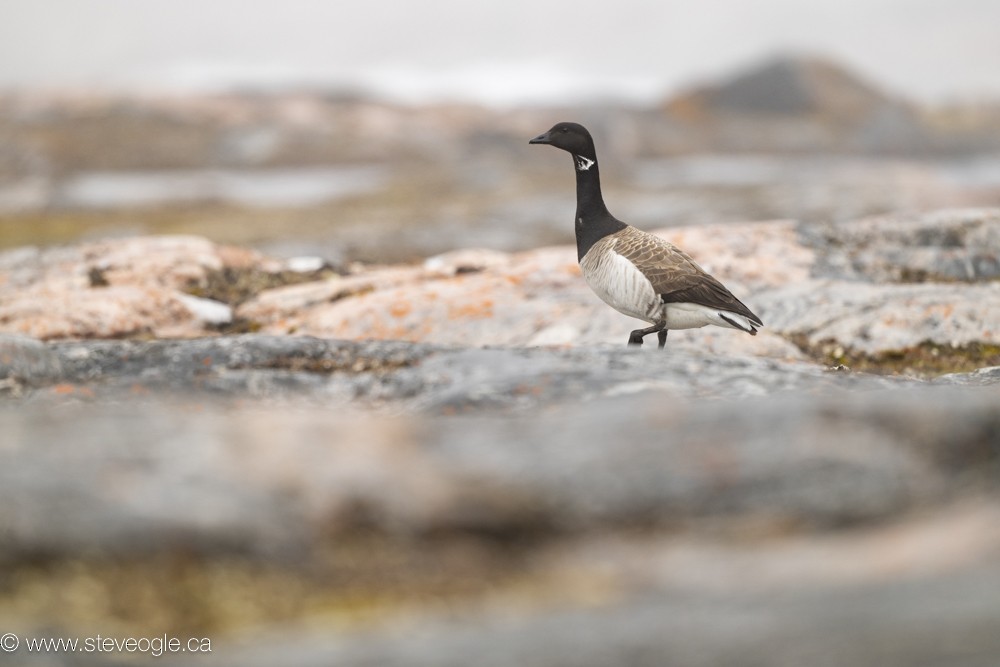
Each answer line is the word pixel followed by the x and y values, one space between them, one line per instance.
pixel 257 188
pixel 976 172
pixel 719 170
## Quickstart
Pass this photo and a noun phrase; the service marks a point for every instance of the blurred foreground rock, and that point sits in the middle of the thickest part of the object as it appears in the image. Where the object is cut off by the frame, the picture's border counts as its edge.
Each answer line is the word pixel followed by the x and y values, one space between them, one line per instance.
pixel 273 477
pixel 641 529
pixel 311 502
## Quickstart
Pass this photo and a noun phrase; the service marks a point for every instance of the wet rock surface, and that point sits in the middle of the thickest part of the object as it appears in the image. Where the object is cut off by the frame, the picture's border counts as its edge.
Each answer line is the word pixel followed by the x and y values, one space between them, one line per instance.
pixel 460 462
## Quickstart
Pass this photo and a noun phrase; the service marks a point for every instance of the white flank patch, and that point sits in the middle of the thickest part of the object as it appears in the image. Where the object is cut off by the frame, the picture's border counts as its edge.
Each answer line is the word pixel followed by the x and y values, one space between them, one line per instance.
pixel 583 164
pixel 618 282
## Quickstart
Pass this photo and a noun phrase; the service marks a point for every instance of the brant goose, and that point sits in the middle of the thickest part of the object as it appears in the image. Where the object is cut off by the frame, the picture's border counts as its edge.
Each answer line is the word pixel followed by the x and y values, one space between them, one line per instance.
pixel 636 273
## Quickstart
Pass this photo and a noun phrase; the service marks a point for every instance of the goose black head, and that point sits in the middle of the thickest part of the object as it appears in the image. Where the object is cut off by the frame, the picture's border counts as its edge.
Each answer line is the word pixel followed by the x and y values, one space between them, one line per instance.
pixel 571 137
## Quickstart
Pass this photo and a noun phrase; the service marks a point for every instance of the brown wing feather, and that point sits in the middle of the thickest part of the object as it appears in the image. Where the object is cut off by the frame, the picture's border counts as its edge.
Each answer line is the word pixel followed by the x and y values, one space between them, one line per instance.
pixel 674 275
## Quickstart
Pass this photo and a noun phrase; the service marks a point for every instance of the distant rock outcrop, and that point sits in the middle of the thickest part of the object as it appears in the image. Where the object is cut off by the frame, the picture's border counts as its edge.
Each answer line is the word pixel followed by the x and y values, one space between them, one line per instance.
pixel 799 103
pixel 793 86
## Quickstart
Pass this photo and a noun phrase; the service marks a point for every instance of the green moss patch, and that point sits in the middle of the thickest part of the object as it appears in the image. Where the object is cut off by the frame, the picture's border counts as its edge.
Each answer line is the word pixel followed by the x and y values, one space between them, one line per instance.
pixel 237 285
pixel 346 363
pixel 924 360
pixel 234 286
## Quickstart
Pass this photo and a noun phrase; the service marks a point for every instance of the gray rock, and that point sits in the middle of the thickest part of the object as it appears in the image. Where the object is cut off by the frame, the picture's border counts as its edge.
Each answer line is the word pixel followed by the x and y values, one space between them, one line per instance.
pixel 961 245
pixel 26 362
pixel 240 365
pixel 413 376
pixel 946 621
pixel 423 377
pixel 982 376
pixel 129 476
pixel 653 503
pixel 878 318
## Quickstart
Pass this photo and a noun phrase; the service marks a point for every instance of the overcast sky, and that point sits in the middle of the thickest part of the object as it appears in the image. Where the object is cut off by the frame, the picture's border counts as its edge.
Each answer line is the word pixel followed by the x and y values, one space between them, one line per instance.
pixel 499 52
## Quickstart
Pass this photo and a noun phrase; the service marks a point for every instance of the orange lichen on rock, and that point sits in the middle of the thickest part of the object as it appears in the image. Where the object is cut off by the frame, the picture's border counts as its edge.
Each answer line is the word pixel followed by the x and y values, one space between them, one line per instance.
pixel 400 309
pixel 474 310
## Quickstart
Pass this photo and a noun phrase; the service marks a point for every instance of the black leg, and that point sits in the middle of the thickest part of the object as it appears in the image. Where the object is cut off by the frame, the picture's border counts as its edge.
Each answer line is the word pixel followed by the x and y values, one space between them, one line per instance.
pixel 635 338
pixel 661 335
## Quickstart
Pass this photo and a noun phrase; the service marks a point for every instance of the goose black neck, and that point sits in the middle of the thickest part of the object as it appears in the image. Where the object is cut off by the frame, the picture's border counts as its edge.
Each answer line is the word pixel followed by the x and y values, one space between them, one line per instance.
pixel 593 220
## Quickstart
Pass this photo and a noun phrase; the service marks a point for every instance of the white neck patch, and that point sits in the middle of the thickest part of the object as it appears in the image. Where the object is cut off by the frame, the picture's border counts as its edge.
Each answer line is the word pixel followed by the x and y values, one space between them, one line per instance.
pixel 582 163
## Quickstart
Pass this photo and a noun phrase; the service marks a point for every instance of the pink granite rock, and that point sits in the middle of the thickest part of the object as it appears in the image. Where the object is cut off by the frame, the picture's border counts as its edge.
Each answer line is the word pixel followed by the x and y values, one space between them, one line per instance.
pixel 536 297
pixel 112 288
pixel 480 297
